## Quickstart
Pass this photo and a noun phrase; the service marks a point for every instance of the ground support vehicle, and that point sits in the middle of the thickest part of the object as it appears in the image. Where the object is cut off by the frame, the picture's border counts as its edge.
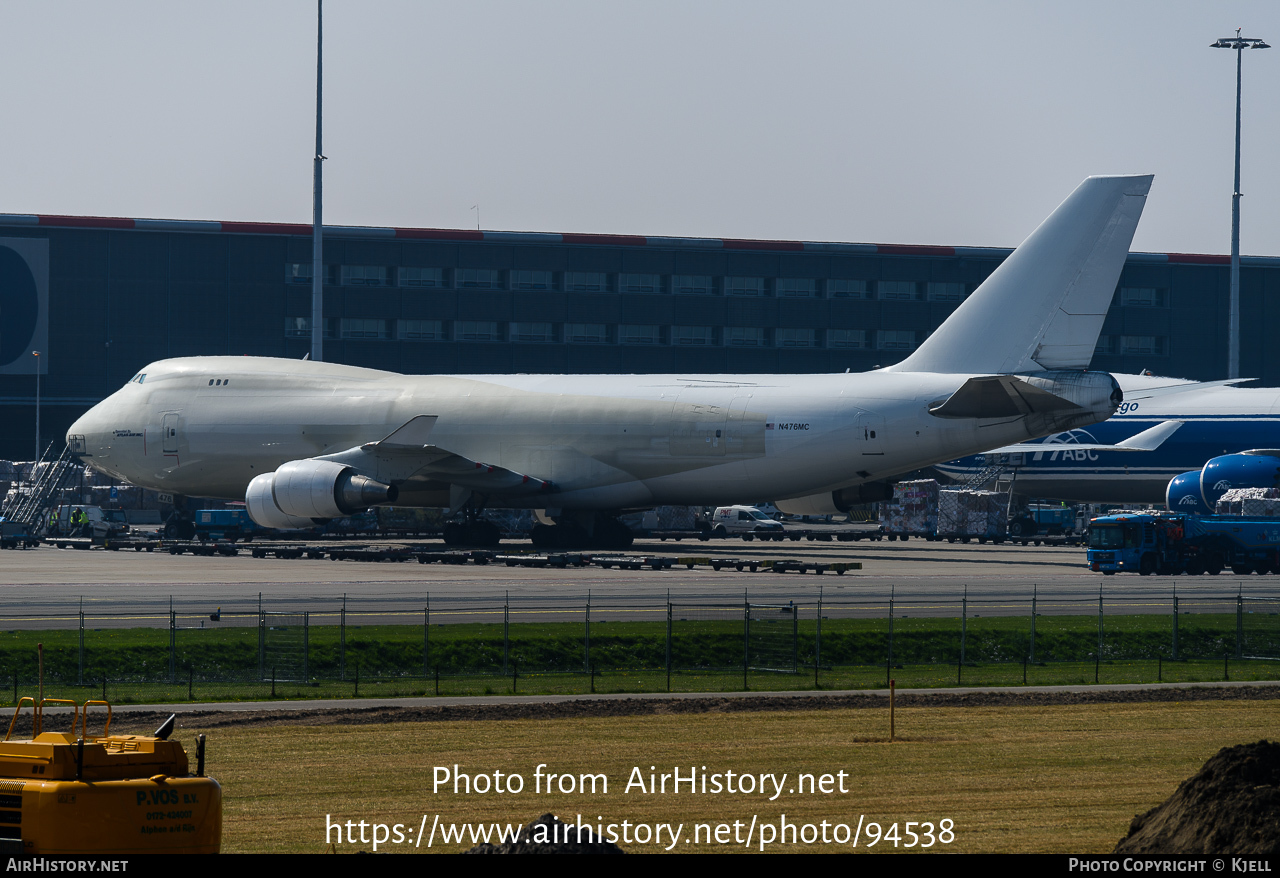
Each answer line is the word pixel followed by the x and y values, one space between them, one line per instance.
pixel 1172 543
pixel 14 535
pixel 73 793
pixel 227 524
pixel 1042 521
pixel 747 522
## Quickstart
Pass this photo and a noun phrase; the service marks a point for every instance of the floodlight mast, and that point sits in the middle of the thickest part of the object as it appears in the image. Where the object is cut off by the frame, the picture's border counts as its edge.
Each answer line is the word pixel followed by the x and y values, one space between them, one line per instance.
pixel 317 226
pixel 1238 43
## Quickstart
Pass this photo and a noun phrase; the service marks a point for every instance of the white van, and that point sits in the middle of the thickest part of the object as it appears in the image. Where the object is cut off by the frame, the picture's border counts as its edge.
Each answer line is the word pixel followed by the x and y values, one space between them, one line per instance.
pixel 746 521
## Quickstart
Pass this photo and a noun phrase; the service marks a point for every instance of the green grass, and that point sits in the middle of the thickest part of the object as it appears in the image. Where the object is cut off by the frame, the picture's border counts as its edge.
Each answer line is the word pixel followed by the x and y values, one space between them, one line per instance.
pixel 222 663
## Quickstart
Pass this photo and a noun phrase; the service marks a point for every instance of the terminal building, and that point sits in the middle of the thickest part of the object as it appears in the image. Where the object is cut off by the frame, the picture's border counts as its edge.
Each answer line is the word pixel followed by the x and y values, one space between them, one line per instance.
pixel 99 298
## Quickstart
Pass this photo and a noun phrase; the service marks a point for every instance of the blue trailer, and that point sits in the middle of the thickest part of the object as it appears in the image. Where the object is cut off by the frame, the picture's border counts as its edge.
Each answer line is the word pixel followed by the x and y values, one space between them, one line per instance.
pixel 1173 543
pixel 227 524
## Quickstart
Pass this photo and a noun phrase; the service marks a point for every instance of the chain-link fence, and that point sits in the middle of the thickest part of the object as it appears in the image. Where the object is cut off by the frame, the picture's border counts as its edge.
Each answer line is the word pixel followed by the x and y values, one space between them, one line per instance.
pixel 846 639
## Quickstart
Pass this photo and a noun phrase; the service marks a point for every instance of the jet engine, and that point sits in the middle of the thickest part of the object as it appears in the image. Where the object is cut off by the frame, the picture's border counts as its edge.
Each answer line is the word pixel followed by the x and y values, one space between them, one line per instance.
pixel 301 492
pixel 1237 471
pixel 836 502
pixel 1183 494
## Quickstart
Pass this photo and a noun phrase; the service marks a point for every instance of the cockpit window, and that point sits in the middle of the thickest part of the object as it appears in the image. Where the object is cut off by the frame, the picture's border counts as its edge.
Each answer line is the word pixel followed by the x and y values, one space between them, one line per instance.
pixel 137 379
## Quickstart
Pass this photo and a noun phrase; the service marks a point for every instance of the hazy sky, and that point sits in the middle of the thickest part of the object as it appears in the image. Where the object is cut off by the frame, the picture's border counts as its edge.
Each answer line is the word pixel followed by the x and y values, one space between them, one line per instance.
pixel 904 122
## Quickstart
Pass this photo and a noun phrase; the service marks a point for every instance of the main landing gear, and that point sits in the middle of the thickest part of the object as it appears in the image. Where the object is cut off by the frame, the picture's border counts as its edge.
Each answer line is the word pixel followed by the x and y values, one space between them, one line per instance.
pixel 598 531
pixel 474 531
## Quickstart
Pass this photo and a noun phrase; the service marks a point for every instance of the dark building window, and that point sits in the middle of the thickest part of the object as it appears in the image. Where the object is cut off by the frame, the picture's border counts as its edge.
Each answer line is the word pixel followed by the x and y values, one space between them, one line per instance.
pixel 744 286
pixel 586 333
pixel 364 275
pixel 945 291
pixel 693 335
pixel 692 284
pixel 1143 297
pixel 900 290
pixel 745 337
pixel 365 327
pixel 895 339
pixel 300 327
pixel 421 330
pixel 476 330
pixel 795 287
pixel 477 279
pixel 429 278
pixel 795 338
pixel 586 281
pixel 531 332
pixel 639 334
pixel 843 288
pixel 846 338
pixel 640 283
pixel 1143 344
pixel 532 280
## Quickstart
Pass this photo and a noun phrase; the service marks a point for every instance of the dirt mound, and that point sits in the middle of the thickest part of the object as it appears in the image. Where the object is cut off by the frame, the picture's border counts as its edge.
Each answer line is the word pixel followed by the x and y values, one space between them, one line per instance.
pixel 1230 806
pixel 547 835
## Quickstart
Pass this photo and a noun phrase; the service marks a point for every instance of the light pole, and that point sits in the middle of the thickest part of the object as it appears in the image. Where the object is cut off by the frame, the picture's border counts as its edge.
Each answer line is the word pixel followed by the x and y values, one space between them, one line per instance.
pixel 36 354
pixel 1238 43
pixel 317 224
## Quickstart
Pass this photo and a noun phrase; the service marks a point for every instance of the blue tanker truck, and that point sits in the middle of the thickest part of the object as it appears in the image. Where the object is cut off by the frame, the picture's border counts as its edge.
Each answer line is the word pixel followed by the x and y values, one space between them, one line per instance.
pixel 1172 543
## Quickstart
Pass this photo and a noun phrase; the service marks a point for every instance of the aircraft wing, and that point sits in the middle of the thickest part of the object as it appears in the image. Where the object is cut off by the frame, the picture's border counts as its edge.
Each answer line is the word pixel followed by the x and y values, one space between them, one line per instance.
pixel 408 453
pixel 1148 440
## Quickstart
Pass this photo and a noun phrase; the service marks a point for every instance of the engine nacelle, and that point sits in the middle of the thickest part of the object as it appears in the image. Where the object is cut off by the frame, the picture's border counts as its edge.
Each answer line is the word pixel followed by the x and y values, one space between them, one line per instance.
pixel 836 502
pixel 1237 471
pixel 1183 494
pixel 302 492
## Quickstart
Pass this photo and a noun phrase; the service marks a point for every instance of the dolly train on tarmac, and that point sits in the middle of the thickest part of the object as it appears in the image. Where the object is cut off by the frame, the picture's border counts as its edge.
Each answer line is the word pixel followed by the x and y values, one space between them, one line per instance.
pixel 303 441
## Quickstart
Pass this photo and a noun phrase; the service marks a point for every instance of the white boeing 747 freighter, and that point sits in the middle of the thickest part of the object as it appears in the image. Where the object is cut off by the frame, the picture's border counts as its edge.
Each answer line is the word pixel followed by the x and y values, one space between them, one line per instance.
pixel 303 441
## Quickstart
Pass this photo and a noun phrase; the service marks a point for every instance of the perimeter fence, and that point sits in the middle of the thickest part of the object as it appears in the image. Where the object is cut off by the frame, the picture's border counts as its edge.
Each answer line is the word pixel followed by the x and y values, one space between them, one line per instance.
pixel 844 638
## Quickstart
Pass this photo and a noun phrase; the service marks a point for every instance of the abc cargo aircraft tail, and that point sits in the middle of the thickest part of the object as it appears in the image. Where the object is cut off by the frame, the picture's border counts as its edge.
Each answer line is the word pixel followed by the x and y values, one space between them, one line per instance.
pixel 304 441
pixel 1229 432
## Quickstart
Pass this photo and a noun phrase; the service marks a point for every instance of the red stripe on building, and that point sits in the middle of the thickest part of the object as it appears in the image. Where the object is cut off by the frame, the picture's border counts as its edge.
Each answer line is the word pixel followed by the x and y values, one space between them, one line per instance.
pixel 266 228
pixel 741 244
pixel 914 250
pixel 1199 258
pixel 92 222
pixel 616 240
pixel 441 234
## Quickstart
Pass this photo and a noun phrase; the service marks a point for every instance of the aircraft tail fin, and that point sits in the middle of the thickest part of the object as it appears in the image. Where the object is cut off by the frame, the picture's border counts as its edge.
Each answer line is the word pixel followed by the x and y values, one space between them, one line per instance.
pixel 1043 307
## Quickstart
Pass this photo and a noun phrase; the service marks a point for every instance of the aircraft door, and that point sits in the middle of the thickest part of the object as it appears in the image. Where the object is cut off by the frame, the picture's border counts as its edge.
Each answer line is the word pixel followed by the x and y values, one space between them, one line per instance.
pixel 868 430
pixel 170 427
pixel 697 430
pixel 744 429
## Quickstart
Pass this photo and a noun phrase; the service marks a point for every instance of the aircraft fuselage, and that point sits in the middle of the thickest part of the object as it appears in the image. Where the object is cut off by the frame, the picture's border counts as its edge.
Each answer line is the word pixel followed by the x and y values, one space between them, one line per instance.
pixel 207 426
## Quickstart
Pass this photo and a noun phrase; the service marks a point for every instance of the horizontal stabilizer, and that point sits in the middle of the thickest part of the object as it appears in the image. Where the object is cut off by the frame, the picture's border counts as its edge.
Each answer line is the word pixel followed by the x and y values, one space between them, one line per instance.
pixel 1148 440
pixel 1135 394
pixel 1000 396
pixel 1042 308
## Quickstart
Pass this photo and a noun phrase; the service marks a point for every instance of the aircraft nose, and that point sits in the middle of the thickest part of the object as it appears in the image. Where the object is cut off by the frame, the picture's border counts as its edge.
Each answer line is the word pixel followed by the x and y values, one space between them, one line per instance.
pixel 88 432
